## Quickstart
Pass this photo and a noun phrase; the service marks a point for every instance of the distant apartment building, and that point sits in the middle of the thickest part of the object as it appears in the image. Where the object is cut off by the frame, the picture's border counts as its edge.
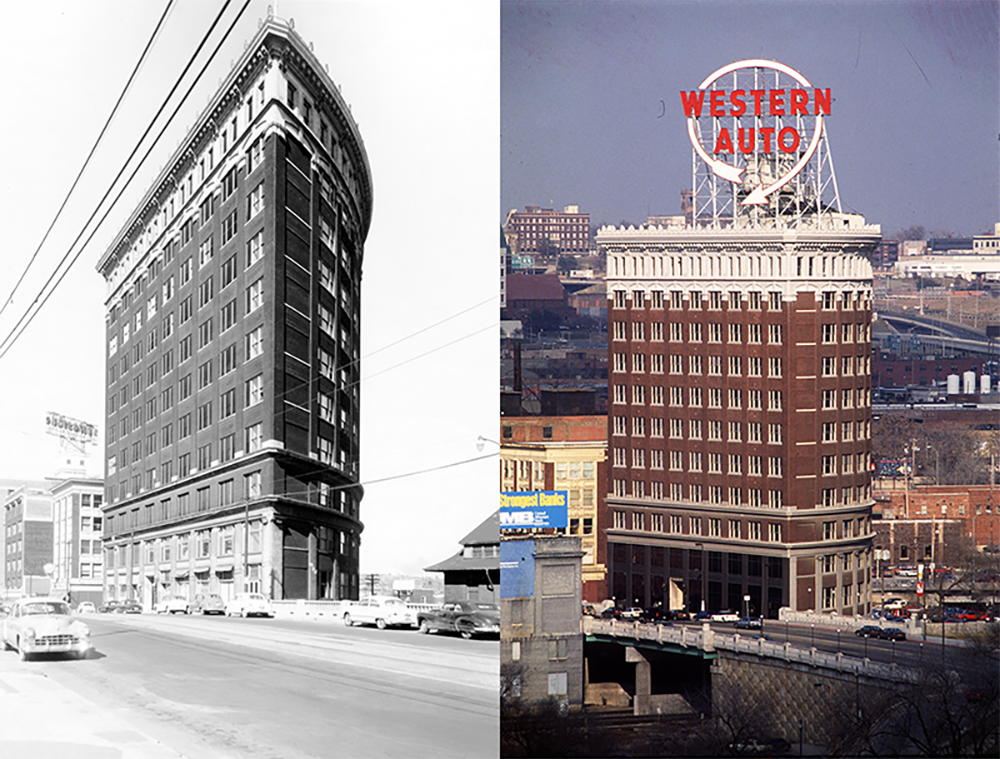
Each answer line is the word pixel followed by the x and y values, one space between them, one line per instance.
pixel 545 230
pixel 740 415
pixel 564 453
pixel 77 539
pixel 232 342
pixel 27 540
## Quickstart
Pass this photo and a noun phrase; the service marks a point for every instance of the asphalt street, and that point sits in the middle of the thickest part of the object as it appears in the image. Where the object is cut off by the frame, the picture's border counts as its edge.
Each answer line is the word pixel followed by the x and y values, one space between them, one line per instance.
pixel 217 687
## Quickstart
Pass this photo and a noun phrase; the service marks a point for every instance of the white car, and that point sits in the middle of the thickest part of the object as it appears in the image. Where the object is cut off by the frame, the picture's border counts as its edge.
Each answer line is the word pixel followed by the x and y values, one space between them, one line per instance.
pixel 725 616
pixel 44 625
pixel 249 605
pixel 381 611
pixel 86 607
pixel 172 605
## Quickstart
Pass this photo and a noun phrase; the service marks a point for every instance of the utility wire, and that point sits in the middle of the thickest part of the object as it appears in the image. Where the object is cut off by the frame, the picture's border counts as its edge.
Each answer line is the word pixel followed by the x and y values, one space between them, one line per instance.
pixel 11 338
pixel 114 111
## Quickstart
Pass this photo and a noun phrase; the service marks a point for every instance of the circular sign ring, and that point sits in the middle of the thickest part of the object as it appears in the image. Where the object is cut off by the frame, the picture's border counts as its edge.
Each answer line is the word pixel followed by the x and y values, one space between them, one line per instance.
pixel 759 195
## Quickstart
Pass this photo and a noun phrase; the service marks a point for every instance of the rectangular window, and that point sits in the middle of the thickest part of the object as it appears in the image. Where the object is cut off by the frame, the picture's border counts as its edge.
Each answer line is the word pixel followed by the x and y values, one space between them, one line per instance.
pixel 205 251
pixel 204 333
pixel 227 404
pixel 255 390
pixel 204 416
pixel 255 201
pixel 228 317
pixel 255 295
pixel 255 248
pixel 229 227
pixel 255 343
pixel 229 183
pixel 227 360
pixel 229 271
pixel 206 291
pixel 254 437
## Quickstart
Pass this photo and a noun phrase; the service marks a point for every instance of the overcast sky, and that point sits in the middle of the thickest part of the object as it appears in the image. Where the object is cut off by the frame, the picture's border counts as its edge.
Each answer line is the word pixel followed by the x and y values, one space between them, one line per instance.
pixel 591 112
pixel 427 102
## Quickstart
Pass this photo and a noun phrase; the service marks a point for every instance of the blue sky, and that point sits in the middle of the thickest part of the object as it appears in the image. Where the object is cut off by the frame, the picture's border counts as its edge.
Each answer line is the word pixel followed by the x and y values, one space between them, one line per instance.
pixel 913 132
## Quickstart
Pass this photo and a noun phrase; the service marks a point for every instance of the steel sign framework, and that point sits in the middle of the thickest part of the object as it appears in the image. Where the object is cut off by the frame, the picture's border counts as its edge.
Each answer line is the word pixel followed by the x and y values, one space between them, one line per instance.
pixel 760 150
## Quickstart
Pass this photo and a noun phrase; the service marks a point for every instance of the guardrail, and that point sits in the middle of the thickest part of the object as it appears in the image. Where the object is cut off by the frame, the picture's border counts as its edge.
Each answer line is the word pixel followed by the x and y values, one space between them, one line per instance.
pixel 708 640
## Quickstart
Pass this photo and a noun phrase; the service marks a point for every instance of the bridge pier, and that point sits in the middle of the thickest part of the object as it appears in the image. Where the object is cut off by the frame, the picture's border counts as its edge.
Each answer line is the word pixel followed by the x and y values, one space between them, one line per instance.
pixel 641 703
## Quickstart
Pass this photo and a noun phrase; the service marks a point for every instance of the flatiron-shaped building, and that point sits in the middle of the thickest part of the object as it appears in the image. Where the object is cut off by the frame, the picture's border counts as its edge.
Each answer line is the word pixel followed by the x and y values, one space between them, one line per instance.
pixel 233 309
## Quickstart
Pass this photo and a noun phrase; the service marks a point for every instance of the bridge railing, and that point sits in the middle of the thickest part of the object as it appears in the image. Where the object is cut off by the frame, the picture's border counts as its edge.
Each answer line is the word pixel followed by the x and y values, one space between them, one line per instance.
pixel 706 639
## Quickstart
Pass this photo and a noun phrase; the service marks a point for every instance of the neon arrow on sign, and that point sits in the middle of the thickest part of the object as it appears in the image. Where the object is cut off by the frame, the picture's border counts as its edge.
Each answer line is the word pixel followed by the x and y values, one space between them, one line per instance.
pixel 797 105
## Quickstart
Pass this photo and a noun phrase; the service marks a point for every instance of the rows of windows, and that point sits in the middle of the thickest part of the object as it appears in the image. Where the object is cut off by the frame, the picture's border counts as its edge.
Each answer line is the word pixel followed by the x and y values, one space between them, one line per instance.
pixel 715 527
pixel 716 299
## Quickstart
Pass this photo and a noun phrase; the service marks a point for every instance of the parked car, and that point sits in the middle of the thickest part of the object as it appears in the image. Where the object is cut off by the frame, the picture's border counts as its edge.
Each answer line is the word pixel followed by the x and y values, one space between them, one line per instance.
pixel 633 612
pixel 128 607
pixel 86 607
pixel 381 611
pixel 892 633
pixel 44 625
pixel 725 616
pixel 611 613
pixel 172 605
pixel 467 618
pixel 248 605
pixel 749 623
pixel 208 604
pixel 869 631
pixel 107 607
pixel 755 747
pixel 702 615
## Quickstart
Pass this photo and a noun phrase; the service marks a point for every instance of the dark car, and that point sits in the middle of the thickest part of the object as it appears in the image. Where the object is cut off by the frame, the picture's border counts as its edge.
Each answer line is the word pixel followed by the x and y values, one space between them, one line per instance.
pixel 611 613
pixel 892 633
pixel 749 623
pixel 869 631
pixel 702 615
pixel 467 618
pixel 107 607
pixel 128 607
pixel 208 604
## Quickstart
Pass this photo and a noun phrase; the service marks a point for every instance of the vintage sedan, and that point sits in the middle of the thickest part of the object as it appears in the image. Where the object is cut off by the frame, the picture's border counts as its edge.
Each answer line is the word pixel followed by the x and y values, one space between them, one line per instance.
pixel 43 625
pixel 248 605
pixel 725 616
pixel 381 611
pixel 208 604
pixel 172 605
pixel 467 618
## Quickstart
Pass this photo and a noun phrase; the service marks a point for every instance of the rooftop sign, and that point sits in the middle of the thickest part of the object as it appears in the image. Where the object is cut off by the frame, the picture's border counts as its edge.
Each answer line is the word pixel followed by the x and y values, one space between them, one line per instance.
pixel 535 509
pixel 784 120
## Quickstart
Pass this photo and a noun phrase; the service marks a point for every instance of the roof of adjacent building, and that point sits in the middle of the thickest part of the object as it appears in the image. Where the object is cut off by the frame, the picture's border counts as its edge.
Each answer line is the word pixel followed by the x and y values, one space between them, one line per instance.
pixel 534 287
pixel 487 533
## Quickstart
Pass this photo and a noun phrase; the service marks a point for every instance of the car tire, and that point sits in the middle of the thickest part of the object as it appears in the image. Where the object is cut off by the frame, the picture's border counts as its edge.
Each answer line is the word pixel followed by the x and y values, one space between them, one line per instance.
pixel 424 627
pixel 464 628
pixel 347 620
pixel 7 646
pixel 380 623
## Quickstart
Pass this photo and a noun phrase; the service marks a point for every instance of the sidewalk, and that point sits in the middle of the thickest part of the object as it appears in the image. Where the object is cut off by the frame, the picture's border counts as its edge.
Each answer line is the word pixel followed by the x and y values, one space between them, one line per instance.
pixel 43 719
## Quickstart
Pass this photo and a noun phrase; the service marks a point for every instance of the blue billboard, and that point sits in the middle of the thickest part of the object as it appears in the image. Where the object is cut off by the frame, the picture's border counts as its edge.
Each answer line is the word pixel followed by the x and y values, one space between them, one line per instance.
pixel 517 568
pixel 534 509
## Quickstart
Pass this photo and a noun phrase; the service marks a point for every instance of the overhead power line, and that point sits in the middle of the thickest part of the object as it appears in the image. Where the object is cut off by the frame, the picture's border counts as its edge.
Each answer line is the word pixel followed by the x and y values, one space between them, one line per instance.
pixel 22 325
pixel 114 111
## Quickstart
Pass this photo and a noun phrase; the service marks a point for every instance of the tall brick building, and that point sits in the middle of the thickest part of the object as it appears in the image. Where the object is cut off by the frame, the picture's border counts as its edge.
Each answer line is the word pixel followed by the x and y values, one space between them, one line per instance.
pixel 232 336
pixel 740 415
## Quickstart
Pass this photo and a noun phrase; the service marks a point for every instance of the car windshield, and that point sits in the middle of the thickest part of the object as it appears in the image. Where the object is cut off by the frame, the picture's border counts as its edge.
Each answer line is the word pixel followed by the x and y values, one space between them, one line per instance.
pixel 45 607
pixel 392 602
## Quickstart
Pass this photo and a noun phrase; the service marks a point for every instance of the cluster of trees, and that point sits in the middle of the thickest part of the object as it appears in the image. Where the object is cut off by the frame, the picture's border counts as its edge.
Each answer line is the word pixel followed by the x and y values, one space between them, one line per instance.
pixel 943 456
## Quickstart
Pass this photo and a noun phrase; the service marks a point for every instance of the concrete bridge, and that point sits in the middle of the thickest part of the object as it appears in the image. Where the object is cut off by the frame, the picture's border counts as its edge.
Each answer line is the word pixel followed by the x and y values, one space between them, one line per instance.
pixel 690 670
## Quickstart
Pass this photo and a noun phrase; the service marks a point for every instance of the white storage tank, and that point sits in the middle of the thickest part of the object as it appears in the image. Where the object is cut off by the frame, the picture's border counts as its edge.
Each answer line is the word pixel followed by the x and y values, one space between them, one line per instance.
pixel 968 382
pixel 984 384
pixel 952 384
